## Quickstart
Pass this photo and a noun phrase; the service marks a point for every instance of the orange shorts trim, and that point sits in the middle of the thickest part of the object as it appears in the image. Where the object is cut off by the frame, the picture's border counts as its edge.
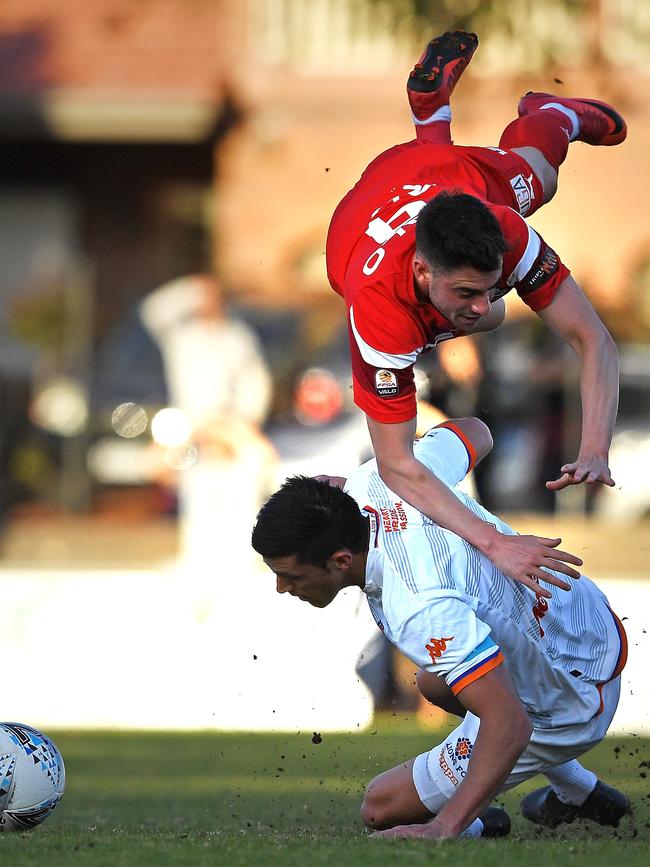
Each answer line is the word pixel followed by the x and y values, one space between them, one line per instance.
pixel 471 451
pixel 620 662
pixel 622 656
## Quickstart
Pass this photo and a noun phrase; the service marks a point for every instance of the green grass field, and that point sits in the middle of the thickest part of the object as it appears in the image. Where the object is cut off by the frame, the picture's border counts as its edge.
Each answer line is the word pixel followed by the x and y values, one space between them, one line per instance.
pixel 265 800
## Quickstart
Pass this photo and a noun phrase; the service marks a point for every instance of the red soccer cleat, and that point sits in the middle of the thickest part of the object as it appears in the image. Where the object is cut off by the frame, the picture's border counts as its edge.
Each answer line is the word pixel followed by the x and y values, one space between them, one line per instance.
pixel 600 124
pixel 430 84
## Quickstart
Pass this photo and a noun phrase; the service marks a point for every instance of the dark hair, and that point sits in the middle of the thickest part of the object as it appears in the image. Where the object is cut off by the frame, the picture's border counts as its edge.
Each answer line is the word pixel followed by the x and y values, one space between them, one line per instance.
pixel 311 520
pixel 455 230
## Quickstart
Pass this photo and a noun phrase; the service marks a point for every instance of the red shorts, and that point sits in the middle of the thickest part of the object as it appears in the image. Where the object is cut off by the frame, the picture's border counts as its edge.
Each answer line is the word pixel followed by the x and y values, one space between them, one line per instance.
pixel 496 175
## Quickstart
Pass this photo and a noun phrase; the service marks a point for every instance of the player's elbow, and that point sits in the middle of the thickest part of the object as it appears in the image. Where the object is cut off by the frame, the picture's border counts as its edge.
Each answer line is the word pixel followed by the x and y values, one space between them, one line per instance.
pixel 399 469
pixel 590 336
pixel 608 346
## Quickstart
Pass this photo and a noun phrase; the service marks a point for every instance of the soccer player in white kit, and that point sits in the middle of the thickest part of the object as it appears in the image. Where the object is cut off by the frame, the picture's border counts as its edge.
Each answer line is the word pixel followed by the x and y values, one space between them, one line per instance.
pixel 536 679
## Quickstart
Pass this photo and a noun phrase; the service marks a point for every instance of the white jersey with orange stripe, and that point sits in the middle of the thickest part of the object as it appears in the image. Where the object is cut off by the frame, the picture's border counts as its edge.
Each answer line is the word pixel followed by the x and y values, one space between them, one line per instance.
pixel 450 611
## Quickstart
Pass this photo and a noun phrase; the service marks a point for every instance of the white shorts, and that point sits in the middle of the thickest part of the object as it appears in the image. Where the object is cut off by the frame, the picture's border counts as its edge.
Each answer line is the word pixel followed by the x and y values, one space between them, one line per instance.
pixel 437 772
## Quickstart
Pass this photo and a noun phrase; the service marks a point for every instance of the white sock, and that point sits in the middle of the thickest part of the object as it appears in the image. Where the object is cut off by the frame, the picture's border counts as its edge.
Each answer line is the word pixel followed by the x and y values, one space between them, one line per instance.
pixel 442 113
pixel 571 782
pixel 570 113
pixel 472 831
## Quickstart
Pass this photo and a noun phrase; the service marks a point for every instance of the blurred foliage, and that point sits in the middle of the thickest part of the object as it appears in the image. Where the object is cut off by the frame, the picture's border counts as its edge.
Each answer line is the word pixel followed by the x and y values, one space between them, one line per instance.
pixel 482 16
pixel 39 320
pixel 554 24
pixel 33 468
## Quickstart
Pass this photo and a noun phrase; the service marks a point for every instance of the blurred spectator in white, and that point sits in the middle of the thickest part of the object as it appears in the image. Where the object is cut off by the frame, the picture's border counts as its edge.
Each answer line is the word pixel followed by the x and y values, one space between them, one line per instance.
pixel 218 380
pixel 213 363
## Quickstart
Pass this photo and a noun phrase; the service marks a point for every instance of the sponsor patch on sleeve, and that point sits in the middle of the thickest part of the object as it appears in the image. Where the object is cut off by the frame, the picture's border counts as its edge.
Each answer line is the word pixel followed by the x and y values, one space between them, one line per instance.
pixel 543 269
pixel 386 384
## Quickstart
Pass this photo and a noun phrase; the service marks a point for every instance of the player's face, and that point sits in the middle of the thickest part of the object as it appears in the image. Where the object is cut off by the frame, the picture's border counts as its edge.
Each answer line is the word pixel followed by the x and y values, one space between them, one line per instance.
pixel 463 295
pixel 313 584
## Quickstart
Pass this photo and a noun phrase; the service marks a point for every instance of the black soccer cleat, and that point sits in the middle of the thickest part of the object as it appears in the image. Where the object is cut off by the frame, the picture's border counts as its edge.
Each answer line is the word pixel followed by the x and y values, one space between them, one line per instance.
pixel 605 805
pixel 496 822
pixel 436 73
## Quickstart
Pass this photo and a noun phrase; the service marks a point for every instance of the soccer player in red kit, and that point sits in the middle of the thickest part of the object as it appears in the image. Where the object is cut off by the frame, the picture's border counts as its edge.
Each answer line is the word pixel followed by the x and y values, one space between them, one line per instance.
pixel 424 248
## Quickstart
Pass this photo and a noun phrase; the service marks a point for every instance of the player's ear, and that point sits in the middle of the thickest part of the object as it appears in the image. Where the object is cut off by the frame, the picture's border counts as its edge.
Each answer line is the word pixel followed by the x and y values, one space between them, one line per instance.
pixel 421 271
pixel 341 559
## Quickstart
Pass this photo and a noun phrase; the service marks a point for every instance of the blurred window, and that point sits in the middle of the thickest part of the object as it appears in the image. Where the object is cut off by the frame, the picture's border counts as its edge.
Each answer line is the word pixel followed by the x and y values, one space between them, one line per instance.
pixel 368 37
pixel 624 26
pixel 327 36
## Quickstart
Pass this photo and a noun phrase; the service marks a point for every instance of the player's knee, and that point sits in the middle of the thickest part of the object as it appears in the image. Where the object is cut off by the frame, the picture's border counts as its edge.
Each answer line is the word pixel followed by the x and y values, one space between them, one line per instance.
pixel 549 184
pixel 480 437
pixel 375 811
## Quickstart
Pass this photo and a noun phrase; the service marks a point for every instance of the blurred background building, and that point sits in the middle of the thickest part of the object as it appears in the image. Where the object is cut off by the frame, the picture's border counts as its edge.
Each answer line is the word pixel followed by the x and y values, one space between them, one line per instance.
pixel 141 142
pixel 144 142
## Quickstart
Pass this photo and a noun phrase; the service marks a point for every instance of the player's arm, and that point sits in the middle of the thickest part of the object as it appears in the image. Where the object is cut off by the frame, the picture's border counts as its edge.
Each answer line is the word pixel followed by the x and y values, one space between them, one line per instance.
pixel 503 735
pixel 519 557
pixel 571 317
pixel 475 434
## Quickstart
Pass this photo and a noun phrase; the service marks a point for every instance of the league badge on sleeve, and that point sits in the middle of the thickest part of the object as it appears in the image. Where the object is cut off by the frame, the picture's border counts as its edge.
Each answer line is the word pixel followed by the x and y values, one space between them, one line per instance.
pixel 386 383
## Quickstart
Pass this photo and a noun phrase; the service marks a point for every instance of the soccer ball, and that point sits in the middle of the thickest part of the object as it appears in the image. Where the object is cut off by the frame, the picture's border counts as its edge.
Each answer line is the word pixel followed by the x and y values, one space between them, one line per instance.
pixel 32 777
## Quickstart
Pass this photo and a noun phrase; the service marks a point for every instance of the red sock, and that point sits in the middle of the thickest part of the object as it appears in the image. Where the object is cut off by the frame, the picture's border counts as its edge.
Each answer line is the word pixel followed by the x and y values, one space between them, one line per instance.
pixel 547 130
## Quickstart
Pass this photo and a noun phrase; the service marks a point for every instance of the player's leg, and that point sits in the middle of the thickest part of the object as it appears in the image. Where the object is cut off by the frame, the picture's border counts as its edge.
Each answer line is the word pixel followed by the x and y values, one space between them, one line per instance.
pixel 392 799
pixel 432 81
pixel 429 89
pixel 414 791
pixel 571 782
pixel 574 791
pixel 547 124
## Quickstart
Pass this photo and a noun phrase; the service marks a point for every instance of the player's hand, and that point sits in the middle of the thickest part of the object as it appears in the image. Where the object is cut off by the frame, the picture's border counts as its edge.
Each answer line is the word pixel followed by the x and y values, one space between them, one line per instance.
pixel 522 558
pixel 429 830
pixel 590 470
pixel 333 481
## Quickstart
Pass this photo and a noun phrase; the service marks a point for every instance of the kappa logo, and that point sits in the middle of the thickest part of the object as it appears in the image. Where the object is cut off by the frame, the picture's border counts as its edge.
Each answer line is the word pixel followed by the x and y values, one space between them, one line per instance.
pixel 540 609
pixel 523 190
pixel 436 647
pixel 386 383
pixel 446 770
pixel 463 749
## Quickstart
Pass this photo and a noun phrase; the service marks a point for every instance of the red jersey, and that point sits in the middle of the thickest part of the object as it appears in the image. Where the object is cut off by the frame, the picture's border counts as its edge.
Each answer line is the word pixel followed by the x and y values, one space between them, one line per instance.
pixel 370 248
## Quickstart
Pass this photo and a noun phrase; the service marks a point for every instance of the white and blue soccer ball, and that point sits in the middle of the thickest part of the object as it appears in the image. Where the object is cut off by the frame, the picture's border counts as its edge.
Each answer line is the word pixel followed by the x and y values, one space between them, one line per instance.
pixel 32 777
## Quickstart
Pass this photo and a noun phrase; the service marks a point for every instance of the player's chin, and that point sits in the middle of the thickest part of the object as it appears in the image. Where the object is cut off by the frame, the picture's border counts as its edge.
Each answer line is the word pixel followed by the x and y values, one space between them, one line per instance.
pixel 318 603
